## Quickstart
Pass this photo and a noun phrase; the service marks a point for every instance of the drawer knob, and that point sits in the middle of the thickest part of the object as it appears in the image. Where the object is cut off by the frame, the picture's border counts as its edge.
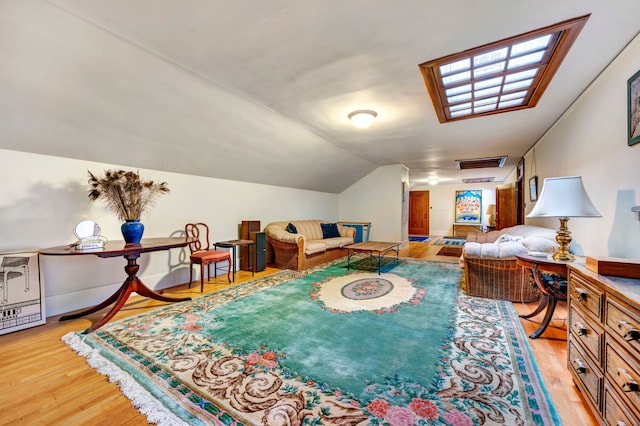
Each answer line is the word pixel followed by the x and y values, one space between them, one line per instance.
pixel 630 332
pixel 581 329
pixel 581 294
pixel 629 384
pixel 579 366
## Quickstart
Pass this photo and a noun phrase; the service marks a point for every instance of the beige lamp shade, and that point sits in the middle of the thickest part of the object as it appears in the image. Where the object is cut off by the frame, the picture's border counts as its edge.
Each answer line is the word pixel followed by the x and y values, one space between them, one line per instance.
pixel 564 197
pixel 491 211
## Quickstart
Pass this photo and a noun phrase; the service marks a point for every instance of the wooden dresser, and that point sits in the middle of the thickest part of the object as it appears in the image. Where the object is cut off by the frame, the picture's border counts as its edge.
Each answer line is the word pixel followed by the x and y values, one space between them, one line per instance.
pixel 604 343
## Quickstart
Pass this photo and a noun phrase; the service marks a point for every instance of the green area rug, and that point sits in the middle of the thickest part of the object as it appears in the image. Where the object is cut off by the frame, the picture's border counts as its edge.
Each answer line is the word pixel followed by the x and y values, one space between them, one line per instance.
pixel 328 347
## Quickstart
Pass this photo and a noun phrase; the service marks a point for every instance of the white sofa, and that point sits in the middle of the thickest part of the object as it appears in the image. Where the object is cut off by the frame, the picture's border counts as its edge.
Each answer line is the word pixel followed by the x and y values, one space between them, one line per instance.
pixel 490 265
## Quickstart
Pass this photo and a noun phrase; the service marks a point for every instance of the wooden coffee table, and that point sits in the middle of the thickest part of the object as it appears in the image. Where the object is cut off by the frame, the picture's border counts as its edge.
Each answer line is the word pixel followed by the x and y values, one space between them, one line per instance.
pixel 381 248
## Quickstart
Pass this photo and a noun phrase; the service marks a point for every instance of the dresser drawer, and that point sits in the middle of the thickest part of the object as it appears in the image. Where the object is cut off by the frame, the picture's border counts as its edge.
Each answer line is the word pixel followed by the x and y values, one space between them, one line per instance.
pixel 583 370
pixel 589 334
pixel 623 373
pixel 625 324
pixel 614 411
pixel 585 295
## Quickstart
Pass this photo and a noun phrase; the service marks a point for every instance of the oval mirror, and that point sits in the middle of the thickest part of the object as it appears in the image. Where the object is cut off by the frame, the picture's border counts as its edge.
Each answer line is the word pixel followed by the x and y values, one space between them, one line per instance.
pixel 86 229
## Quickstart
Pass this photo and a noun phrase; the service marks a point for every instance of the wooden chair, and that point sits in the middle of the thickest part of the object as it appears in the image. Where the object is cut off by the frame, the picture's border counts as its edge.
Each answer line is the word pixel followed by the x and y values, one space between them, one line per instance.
pixel 202 255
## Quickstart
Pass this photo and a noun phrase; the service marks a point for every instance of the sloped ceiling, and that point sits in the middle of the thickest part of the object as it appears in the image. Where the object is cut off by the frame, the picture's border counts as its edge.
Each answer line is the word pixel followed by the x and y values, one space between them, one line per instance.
pixel 259 91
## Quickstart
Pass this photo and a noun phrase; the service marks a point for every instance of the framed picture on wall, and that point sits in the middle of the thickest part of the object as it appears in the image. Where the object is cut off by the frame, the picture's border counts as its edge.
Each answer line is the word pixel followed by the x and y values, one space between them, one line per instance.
pixel 633 108
pixel 468 207
pixel 533 188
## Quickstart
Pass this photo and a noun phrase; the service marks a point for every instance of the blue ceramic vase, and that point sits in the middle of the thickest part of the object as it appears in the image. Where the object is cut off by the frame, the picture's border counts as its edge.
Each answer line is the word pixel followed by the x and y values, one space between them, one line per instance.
pixel 132 231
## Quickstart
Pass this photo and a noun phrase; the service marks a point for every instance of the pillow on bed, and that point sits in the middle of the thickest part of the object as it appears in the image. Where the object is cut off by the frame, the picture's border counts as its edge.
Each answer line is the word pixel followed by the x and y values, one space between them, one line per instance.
pixel 330 230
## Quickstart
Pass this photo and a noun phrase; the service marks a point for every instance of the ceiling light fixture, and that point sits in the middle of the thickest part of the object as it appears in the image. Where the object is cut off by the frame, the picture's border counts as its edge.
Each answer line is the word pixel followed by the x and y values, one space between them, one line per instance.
pixel 433 181
pixel 362 118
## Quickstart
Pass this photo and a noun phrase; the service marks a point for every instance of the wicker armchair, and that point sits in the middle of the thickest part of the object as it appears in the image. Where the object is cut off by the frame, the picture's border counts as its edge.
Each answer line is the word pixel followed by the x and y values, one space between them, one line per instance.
pixel 491 270
pixel 497 279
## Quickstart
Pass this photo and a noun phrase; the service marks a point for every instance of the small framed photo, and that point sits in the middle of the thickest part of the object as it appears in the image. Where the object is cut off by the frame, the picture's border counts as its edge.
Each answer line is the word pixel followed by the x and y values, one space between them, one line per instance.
pixel 533 188
pixel 633 108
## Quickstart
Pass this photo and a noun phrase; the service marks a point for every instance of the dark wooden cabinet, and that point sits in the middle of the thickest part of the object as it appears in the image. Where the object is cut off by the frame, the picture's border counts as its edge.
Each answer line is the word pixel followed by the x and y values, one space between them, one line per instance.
pixel 246 228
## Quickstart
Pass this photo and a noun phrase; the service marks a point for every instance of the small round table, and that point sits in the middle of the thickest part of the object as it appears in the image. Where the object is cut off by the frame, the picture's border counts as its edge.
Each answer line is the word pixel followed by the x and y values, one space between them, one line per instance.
pixel 550 293
pixel 232 244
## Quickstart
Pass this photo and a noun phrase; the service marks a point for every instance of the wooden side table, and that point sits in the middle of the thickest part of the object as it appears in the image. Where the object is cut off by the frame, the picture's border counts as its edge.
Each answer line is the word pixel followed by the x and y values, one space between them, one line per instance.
pixel 550 295
pixel 132 284
pixel 233 244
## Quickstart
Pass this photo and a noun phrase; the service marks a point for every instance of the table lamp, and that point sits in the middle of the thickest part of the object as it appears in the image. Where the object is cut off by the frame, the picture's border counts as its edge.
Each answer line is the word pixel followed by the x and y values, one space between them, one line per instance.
pixel 564 197
pixel 491 211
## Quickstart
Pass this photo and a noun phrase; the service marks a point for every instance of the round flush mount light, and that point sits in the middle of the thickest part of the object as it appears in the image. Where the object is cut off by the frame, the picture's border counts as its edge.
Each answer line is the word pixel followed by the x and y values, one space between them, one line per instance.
pixel 433 181
pixel 362 118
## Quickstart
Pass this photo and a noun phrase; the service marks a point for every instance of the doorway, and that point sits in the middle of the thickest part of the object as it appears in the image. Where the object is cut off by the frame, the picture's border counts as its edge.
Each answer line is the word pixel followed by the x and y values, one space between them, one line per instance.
pixel 419 213
pixel 506 206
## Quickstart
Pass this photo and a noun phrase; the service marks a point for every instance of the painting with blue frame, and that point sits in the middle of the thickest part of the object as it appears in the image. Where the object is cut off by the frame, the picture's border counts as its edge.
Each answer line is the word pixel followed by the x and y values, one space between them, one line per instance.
pixel 468 206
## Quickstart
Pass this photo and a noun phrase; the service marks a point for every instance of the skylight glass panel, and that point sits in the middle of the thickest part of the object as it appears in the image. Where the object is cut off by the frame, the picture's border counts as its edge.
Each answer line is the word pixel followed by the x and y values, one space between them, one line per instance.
pixel 520 75
pixel 456 78
pixel 461 113
pixel 489 69
pixel 502 76
pixel 539 43
pixel 464 64
pixel 486 92
pixel 508 104
pixel 459 98
pixel 486 101
pixel 514 95
pixel 520 61
pixel 484 108
pixel 490 57
pixel 458 90
pixel 460 107
pixel 517 85
pixel 487 83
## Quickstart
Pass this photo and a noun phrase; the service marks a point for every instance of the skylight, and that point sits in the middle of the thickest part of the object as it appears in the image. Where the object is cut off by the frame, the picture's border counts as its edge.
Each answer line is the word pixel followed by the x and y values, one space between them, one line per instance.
pixel 503 76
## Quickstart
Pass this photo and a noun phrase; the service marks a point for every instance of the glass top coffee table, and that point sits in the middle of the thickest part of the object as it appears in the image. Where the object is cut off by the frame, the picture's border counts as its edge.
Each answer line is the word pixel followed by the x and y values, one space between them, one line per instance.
pixel 381 248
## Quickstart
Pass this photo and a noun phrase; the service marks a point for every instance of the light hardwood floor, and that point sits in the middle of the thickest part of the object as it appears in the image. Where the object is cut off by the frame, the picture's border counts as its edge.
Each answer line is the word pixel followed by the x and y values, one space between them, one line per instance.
pixel 43 382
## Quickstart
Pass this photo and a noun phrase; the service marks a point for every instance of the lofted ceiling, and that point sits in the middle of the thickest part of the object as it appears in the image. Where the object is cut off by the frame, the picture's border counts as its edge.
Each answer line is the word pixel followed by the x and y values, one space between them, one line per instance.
pixel 276 80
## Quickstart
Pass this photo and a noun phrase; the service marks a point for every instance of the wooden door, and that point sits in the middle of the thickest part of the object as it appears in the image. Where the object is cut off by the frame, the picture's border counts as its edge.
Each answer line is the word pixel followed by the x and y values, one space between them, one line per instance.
pixel 506 206
pixel 419 213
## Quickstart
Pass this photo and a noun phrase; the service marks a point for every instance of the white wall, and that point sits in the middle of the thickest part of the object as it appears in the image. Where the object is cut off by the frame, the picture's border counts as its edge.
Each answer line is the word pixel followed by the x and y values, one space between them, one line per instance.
pixel 377 198
pixel 43 197
pixel 590 140
pixel 442 203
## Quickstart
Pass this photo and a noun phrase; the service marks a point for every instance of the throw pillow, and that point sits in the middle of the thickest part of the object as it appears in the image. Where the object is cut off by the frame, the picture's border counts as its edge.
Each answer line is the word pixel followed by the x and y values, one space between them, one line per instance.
pixel 292 228
pixel 330 230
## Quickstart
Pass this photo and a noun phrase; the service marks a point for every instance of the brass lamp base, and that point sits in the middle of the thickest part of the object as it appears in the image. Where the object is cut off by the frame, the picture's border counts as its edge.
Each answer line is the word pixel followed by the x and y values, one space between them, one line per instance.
pixel 563 237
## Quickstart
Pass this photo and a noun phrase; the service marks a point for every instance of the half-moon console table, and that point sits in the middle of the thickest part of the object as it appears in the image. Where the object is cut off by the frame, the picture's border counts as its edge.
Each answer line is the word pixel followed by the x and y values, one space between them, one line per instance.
pixel 131 252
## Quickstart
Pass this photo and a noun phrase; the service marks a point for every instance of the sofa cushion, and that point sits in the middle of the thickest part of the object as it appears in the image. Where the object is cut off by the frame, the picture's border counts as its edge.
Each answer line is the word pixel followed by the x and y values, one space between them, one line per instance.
pixel 330 230
pixel 309 228
pixel 511 248
pixel 291 228
pixel 337 242
pixel 314 246
pixel 504 238
pixel 539 244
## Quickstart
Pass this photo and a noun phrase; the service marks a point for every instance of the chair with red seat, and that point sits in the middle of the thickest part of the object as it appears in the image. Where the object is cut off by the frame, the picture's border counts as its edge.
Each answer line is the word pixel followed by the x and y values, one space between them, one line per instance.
pixel 202 255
